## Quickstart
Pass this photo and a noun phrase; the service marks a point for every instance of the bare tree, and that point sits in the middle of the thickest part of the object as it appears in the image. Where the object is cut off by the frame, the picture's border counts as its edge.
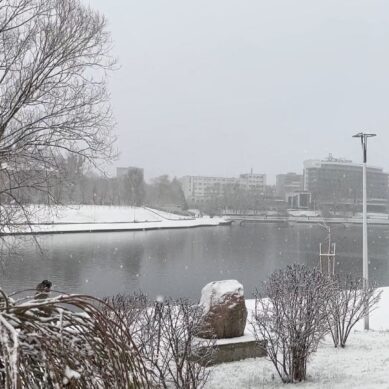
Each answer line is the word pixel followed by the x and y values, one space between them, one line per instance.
pixel 54 56
pixel 348 304
pixel 164 192
pixel 290 315
pixel 165 335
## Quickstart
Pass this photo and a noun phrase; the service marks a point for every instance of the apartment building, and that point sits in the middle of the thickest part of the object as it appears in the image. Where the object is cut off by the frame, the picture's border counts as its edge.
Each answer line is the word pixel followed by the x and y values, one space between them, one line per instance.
pixel 198 189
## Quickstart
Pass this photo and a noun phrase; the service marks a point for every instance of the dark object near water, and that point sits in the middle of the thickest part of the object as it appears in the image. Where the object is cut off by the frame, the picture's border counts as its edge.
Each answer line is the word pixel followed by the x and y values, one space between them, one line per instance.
pixel 43 289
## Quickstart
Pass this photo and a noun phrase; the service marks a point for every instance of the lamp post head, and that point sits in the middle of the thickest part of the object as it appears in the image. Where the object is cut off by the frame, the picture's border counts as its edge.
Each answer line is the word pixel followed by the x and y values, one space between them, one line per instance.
pixel 364 136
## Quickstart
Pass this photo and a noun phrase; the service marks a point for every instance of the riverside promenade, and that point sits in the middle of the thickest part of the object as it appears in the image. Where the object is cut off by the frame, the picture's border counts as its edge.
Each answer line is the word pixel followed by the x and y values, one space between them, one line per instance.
pixel 291 220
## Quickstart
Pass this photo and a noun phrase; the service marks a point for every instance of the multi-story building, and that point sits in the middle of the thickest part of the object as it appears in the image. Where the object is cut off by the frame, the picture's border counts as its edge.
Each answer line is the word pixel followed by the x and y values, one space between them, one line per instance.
pixel 253 182
pixel 337 183
pixel 198 189
pixel 299 200
pixel 288 183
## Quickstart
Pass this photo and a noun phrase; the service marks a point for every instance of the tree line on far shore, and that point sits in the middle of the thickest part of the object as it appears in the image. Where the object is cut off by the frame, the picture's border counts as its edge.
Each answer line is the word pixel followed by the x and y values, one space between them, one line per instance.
pixel 72 182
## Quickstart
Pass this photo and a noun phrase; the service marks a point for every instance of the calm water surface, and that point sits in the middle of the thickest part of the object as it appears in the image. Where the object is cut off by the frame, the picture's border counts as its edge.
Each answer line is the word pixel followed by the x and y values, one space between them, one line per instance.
pixel 179 263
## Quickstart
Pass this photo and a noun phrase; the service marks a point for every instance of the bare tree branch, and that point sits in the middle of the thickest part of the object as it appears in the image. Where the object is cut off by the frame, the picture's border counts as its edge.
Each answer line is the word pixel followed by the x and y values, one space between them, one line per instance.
pixel 54 58
pixel 66 341
pixel 349 303
pixel 165 335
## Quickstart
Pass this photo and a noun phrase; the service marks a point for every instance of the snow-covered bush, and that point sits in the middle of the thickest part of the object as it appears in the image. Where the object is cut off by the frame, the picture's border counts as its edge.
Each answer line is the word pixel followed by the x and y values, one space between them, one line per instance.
pixel 290 315
pixel 165 335
pixel 66 341
pixel 349 303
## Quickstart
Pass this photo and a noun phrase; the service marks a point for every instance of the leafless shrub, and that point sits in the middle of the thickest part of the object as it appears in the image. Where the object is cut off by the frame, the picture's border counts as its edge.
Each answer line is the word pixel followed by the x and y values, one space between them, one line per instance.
pixel 66 341
pixel 348 304
pixel 290 315
pixel 165 335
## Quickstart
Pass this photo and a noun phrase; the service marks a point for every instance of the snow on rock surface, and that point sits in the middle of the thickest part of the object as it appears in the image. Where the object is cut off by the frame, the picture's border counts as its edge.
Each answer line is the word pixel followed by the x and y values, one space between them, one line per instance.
pixel 224 309
pixel 216 291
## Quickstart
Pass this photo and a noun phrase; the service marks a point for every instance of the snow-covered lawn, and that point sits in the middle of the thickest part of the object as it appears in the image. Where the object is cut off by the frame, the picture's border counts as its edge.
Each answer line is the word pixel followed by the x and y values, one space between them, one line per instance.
pixel 106 218
pixel 364 363
pixel 99 214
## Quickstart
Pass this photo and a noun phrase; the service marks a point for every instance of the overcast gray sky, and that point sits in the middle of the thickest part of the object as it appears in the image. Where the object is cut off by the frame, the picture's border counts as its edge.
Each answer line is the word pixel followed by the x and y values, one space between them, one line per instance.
pixel 217 87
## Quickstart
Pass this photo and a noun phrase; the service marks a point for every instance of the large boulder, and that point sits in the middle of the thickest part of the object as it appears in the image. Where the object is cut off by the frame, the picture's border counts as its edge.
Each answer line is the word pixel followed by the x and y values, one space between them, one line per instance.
pixel 224 310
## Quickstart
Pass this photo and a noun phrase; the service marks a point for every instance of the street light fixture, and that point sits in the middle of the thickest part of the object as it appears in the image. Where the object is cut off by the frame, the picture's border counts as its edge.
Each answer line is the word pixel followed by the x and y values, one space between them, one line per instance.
pixel 363 136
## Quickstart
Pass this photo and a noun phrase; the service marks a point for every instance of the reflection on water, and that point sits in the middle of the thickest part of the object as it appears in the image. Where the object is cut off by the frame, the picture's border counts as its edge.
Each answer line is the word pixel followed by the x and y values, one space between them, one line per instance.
pixel 180 262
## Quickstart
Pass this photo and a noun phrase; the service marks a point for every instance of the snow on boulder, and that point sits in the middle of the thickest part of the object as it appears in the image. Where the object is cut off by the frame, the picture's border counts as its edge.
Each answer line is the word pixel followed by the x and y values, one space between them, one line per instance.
pixel 224 310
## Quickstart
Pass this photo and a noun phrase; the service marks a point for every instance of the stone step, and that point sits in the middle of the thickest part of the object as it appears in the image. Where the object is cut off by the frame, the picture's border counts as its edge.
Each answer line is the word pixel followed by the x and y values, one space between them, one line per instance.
pixel 235 351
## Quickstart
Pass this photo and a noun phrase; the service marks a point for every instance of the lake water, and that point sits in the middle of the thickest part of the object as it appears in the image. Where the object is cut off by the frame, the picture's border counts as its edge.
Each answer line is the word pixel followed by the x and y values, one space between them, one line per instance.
pixel 179 263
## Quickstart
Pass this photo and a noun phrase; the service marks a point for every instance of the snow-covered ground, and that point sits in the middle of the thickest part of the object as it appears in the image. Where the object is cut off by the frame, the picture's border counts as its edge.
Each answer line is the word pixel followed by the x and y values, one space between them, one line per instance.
pixel 303 212
pixel 363 363
pixel 106 218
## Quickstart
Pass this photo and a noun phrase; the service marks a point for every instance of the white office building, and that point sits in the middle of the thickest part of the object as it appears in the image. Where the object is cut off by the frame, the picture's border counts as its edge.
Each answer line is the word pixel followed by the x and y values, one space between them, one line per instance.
pixel 198 189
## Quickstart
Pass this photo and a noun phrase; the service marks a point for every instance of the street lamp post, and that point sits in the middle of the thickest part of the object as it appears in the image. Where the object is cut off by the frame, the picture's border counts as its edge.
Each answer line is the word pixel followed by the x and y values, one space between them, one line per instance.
pixel 363 136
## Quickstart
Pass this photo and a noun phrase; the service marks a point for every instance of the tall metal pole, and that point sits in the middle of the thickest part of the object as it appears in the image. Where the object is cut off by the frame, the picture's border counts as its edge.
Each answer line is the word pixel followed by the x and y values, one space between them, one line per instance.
pixel 364 243
pixel 365 259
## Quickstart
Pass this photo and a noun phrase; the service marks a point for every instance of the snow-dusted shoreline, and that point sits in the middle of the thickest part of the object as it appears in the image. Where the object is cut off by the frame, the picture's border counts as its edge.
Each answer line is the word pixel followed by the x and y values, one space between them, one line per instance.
pixel 363 363
pixel 87 218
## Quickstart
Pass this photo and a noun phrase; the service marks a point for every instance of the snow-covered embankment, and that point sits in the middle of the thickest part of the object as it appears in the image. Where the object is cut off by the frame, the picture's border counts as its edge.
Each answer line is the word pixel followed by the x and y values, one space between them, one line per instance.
pixel 88 218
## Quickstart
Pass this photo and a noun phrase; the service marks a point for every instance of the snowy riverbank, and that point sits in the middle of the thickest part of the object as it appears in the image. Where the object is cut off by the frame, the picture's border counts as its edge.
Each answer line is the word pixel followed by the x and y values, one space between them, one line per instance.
pixel 364 363
pixel 89 218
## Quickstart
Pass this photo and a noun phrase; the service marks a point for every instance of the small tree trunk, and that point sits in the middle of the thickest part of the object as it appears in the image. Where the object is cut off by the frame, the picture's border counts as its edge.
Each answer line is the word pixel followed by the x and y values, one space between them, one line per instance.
pixel 298 366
